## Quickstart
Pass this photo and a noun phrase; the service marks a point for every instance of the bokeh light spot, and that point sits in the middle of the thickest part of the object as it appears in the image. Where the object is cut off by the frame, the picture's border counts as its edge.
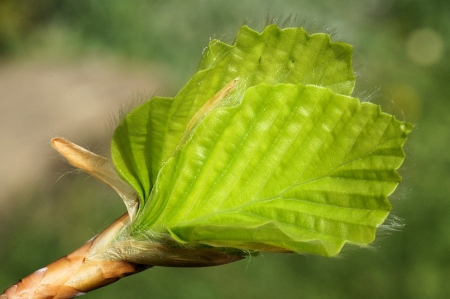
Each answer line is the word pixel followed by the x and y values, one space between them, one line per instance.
pixel 425 46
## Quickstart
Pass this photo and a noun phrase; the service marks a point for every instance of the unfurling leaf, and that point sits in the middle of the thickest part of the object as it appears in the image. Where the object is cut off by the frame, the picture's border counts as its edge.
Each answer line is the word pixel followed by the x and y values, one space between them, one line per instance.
pixel 148 135
pixel 285 161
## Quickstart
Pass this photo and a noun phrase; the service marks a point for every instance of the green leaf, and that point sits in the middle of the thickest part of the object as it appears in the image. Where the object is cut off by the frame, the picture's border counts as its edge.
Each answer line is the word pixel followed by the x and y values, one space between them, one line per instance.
pixel 136 145
pixel 148 136
pixel 263 149
pixel 290 166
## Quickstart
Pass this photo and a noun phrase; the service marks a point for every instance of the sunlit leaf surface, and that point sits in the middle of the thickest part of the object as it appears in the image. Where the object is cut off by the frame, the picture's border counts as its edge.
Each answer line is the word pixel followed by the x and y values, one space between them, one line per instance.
pixel 149 134
pixel 285 159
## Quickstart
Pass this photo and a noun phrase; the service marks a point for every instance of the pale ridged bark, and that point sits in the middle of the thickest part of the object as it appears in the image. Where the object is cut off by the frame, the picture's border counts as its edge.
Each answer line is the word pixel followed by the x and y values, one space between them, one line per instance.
pixel 104 260
pixel 74 275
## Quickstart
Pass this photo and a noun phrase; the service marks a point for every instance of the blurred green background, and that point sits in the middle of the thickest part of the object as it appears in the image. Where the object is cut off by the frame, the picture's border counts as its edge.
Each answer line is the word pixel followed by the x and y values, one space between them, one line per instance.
pixel 401 59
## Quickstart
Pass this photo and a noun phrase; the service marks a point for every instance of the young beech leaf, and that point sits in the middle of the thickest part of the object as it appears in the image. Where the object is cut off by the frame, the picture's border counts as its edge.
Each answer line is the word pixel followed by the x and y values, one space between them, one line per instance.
pixel 292 166
pixel 263 149
pixel 148 136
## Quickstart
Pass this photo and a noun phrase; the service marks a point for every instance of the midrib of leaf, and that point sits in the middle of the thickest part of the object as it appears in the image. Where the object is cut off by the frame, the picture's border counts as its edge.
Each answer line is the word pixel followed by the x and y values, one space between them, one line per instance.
pixel 323 116
pixel 238 209
pixel 336 167
pixel 202 182
pixel 210 162
pixel 288 147
pixel 268 152
pixel 279 197
pixel 360 233
pixel 349 124
pixel 193 205
pixel 212 157
pixel 256 120
pixel 307 138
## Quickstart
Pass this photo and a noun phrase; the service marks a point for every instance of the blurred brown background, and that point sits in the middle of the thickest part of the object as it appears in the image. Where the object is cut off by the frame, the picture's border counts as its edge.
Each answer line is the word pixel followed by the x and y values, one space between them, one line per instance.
pixel 66 68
